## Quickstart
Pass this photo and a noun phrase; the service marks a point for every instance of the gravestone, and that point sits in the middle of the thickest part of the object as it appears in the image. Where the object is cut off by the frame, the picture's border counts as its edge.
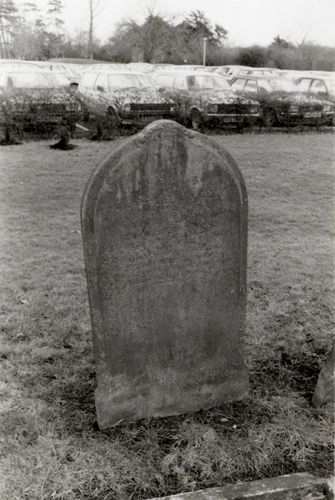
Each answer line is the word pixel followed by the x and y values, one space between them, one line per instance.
pixel 164 224
pixel 299 486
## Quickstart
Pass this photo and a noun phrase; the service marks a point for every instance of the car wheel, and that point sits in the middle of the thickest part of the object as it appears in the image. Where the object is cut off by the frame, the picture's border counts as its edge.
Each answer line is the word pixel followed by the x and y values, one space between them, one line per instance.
pixel 269 118
pixel 196 120
pixel 85 114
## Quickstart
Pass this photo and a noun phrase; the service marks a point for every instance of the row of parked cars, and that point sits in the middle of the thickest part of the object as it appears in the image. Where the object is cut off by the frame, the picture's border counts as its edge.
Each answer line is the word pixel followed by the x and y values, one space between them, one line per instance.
pixel 121 95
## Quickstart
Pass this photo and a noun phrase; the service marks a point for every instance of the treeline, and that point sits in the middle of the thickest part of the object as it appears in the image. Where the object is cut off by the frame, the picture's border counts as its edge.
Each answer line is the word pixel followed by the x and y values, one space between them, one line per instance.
pixel 26 32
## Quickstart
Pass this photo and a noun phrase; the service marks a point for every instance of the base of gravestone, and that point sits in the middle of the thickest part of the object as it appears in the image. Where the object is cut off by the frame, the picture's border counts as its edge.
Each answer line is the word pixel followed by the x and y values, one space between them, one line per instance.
pixel 300 486
pixel 172 393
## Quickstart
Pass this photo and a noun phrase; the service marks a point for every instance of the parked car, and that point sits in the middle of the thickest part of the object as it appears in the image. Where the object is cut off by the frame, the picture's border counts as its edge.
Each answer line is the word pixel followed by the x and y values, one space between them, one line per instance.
pixel 162 67
pixel 203 97
pixel 280 102
pixel 34 97
pixel 231 70
pixel 292 74
pixel 62 72
pixel 9 64
pixel 123 97
pixel 107 66
pixel 210 69
pixel 321 87
pixel 140 67
pixel 187 67
pixel 259 72
pixel 318 86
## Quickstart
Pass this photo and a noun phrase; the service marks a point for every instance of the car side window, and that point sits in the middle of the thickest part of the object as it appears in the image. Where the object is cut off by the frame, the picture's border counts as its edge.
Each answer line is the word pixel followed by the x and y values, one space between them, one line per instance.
pixel 88 80
pixel 101 83
pixel 318 87
pixel 164 80
pixel 303 85
pixel 238 85
pixel 180 83
pixel 251 86
pixel 264 86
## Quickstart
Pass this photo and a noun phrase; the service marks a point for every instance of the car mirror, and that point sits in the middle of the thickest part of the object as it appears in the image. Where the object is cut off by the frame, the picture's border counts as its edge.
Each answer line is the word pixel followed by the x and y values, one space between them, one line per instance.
pixel 162 89
pixel 100 88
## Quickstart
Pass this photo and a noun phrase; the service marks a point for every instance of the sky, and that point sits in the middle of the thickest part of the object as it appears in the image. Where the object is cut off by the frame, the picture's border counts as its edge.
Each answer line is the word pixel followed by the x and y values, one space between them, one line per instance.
pixel 247 21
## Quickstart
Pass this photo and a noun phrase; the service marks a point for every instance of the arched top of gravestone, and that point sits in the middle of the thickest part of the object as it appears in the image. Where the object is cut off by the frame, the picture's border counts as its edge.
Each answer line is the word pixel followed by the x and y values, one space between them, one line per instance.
pixel 202 155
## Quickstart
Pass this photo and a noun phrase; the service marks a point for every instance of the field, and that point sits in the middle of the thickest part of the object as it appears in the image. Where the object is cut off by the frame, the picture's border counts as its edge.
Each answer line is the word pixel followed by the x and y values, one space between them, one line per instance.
pixel 50 446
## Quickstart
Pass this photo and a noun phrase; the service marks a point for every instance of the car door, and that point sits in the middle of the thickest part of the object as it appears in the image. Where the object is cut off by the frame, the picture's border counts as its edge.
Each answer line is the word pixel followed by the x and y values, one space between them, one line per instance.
pixel 165 85
pixel 185 99
pixel 303 85
pixel 251 88
pixel 85 89
pixel 100 95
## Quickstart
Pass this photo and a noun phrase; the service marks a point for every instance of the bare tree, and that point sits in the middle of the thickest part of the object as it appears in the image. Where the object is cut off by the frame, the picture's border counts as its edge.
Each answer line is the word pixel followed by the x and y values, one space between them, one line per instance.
pixel 8 19
pixel 93 11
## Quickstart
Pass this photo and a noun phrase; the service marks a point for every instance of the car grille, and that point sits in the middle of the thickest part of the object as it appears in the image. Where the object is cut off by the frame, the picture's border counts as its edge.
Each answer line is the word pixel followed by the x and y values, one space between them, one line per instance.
pixel 48 108
pixel 233 108
pixel 150 107
pixel 307 108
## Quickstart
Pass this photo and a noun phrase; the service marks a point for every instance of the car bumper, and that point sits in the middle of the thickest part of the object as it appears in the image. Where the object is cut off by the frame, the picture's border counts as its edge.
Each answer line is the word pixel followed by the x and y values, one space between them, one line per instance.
pixel 307 118
pixel 236 118
pixel 131 118
pixel 39 118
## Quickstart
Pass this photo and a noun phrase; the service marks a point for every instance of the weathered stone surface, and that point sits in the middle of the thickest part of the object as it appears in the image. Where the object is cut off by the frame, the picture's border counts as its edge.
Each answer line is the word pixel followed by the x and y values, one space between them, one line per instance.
pixel 289 487
pixel 164 223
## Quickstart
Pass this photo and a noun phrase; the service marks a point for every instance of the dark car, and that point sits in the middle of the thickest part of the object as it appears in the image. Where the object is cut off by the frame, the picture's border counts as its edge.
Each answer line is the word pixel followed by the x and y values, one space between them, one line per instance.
pixel 280 102
pixel 30 97
pixel 203 97
pixel 123 98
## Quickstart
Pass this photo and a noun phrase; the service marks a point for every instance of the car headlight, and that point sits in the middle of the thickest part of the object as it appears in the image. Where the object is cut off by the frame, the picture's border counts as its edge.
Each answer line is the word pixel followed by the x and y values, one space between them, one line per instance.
pixel 294 108
pixel 328 108
pixel 127 108
pixel 75 106
pixel 254 109
pixel 212 108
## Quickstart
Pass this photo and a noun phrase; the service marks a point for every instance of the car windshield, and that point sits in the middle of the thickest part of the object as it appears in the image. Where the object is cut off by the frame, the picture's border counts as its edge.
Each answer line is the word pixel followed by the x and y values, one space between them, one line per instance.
pixel 31 80
pixel 203 82
pixel 128 81
pixel 282 85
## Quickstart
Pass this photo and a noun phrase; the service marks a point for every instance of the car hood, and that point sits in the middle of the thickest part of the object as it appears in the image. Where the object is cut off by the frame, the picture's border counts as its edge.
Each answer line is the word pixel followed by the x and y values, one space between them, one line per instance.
pixel 26 97
pixel 139 96
pixel 295 98
pixel 219 97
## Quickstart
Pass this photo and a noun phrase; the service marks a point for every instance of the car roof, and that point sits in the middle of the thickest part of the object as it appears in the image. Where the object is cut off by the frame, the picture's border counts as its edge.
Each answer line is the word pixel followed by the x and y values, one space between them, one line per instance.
pixel 106 71
pixel 258 77
pixel 19 63
pixel 317 77
pixel 27 70
pixel 190 72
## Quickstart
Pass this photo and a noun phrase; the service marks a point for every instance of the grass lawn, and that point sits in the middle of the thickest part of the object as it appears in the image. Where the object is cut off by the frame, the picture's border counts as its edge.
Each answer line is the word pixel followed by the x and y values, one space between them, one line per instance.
pixel 50 445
